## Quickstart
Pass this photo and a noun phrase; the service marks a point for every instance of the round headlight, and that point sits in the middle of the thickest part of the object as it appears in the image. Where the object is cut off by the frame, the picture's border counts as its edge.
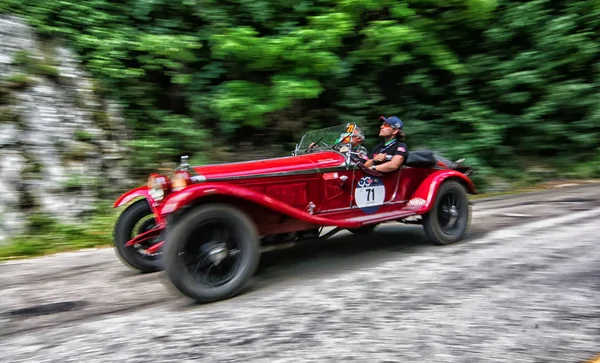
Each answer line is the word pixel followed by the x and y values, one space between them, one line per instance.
pixel 180 180
pixel 158 185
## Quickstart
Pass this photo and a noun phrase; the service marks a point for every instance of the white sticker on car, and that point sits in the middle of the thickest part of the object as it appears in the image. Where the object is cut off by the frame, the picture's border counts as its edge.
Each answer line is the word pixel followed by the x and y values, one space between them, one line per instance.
pixel 369 194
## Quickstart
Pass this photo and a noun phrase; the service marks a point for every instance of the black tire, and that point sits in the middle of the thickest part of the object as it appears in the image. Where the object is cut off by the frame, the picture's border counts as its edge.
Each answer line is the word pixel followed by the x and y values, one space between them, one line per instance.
pixel 124 229
pixel 433 222
pixel 194 227
pixel 363 230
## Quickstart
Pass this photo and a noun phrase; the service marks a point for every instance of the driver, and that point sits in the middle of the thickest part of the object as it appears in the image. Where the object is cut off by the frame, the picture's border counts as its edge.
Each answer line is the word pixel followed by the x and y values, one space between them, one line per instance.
pixel 391 152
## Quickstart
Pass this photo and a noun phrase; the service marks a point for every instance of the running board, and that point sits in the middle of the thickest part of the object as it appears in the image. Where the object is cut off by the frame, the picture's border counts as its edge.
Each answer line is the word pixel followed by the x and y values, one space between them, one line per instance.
pixel 382 217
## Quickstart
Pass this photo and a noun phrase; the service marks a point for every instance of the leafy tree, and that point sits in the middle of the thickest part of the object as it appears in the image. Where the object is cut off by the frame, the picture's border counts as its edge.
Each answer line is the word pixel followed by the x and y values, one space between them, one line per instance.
pixel 500 82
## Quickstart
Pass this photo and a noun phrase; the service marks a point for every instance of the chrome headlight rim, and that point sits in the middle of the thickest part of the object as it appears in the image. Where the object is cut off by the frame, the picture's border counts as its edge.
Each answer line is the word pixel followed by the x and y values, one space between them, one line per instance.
pixel 157 186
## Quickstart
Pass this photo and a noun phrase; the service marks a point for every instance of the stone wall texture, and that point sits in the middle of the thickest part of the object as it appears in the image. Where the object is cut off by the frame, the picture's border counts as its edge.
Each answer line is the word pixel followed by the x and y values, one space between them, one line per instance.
pixel 62 147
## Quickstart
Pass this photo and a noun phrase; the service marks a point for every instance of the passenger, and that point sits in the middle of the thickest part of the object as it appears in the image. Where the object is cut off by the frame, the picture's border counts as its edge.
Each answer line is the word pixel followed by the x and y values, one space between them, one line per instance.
pixel 355 140
pixel 390 154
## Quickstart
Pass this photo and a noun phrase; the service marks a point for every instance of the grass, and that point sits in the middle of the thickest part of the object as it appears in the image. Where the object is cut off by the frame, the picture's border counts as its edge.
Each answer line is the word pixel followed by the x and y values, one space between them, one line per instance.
pixel 49 237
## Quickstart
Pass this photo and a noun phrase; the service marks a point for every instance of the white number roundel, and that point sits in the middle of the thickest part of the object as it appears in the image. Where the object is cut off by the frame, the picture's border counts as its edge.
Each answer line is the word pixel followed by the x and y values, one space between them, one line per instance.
pixel 369 194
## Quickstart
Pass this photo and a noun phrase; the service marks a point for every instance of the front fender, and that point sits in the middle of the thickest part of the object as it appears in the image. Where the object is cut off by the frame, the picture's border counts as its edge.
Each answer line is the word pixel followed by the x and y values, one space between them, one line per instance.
pixel 423 198
pixel 141 192
pixel 192 193
pixel 134 194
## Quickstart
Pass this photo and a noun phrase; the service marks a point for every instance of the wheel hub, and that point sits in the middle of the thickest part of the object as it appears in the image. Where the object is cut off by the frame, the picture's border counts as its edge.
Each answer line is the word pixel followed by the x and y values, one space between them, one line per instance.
pixel 453 215
pixel 453 211
pixel 218 253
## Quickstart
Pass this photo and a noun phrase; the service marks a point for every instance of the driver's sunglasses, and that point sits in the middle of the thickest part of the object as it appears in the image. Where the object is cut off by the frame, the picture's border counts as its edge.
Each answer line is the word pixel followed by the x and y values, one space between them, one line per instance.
pixel 385 124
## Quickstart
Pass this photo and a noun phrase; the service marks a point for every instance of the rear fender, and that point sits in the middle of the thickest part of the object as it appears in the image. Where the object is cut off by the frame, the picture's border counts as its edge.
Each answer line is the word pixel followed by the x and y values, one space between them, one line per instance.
pixel 138 193
pixel 423 198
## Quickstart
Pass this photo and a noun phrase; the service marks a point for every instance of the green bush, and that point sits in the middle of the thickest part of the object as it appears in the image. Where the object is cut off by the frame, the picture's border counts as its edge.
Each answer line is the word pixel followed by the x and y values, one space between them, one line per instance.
pixel 494 81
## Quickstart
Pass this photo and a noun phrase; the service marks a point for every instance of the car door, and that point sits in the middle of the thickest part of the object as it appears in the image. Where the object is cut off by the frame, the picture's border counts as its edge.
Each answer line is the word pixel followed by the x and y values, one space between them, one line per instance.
pixel 336 190
pixel 370 192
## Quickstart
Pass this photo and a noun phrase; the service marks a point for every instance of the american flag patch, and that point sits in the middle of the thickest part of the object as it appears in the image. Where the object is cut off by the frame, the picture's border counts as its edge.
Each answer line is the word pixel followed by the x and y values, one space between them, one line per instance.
pixel 400 148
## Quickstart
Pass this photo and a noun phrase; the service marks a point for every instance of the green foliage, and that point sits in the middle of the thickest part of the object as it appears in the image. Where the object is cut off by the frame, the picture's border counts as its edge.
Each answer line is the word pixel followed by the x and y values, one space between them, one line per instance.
pixel 49 236
pixel 490 80
pixel 34 65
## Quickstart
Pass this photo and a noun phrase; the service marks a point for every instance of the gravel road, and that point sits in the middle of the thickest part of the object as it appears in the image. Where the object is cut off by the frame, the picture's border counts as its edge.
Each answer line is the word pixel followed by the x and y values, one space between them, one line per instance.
pixel 522 288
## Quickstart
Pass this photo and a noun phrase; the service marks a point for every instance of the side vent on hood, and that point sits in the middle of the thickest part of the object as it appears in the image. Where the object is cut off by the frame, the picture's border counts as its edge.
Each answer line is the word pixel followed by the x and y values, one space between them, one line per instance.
pixel 293 194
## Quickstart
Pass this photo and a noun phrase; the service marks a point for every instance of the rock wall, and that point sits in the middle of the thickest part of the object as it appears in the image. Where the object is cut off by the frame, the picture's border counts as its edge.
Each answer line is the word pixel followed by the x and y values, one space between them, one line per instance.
pixel 61 145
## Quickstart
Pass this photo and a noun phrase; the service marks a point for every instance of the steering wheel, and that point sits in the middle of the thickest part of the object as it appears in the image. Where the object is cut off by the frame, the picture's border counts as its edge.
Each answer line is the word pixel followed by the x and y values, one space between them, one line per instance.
pixel 359 162
pixel 369 171
pixel 314 145
pixel 354 156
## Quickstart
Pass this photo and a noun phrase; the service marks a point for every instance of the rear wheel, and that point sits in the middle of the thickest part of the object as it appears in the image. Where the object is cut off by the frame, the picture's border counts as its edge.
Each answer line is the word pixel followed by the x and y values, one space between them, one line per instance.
pixel 448 220
pixel 136 219
pixel 212 252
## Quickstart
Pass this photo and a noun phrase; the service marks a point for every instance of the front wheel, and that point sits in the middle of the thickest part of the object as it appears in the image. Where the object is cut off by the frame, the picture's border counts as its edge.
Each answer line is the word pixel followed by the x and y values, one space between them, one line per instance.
pixel 448 220
pixel 212 252
pixel 136 219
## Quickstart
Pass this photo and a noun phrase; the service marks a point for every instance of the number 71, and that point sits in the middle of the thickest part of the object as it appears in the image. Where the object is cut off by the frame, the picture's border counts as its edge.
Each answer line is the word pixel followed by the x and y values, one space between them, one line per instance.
pixel 370 194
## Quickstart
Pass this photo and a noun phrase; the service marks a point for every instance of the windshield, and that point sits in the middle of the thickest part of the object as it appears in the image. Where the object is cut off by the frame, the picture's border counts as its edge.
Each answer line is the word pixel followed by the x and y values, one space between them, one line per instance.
pixel 326 137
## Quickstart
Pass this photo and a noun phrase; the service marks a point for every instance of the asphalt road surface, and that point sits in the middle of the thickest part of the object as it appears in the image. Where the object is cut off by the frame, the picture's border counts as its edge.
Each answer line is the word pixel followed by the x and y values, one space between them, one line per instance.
pixel 523 287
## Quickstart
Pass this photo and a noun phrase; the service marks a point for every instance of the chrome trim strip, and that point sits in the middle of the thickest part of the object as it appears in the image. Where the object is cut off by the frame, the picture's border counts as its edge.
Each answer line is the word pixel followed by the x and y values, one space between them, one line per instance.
pixel 243 162
pixel 198 178
pixel 267 159
pixel 329 211
pixel 398 202
pixel 355 207
pixel 280 173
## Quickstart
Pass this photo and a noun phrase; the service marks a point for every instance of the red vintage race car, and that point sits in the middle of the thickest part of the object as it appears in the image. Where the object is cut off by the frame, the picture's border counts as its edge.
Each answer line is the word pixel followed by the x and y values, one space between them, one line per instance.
pixel 207 225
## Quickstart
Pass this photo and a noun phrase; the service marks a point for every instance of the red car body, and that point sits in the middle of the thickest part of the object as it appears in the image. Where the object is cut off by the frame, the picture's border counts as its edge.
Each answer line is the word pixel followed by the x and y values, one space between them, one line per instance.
pixel 284 189
pixel 299 193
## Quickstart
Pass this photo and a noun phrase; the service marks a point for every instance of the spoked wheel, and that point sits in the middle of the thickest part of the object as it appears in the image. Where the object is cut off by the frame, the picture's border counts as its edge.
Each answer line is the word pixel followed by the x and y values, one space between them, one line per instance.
pixel 448 220
pixel 211 253
pixel 136 219
pixel 212 261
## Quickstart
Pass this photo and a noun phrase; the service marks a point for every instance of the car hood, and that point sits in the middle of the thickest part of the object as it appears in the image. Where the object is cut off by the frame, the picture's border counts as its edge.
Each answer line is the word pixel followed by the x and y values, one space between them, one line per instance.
pixel 273 167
